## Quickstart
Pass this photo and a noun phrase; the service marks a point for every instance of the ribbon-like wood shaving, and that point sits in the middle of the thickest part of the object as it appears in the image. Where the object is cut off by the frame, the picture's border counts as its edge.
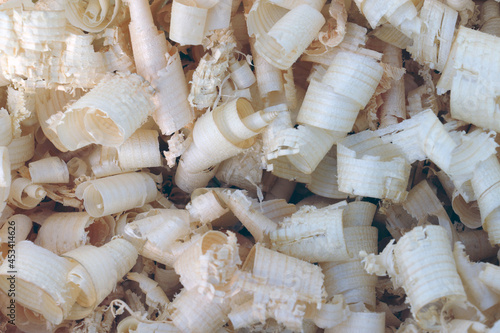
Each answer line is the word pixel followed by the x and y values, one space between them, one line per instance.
pixel 299 138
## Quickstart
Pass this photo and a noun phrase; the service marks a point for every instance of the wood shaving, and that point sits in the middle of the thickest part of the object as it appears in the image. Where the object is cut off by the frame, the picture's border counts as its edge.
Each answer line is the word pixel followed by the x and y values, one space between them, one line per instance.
pixel 247 166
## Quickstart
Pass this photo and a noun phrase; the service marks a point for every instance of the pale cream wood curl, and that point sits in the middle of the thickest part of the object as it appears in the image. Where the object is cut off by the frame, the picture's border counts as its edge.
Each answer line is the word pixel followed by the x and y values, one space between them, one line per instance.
pixel 439 20
pixel 21 225
pixel 62 232
pixel 282 38
pixel 42 284
pixel 209 264
pixel 141 150
pixel 275 281
pixel 361 322
pixel 49 170
pixel 95 17
pixel 109 114
pixel 97 272
pixel 157 233
pixel 402 14
pixel 490 17
pixel 222 133
pixel 474 86
pixel 197 313
pixel 116 193
pixel 21 150
pixel 245 209
pixel 24 194
pixel 422 262
pixel 159 63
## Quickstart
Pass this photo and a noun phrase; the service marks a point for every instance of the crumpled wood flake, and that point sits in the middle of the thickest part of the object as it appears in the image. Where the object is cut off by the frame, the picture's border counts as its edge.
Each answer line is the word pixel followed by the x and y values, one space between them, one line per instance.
pixel 211 70
pixel 220 134
pixel 209 264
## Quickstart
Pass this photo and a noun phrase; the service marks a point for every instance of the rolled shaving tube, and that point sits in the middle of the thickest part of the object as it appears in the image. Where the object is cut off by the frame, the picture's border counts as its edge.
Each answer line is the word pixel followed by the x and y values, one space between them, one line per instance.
pixel 248 213
pixel 422 262
pixel 271 269
pixel 63 232
pixel 276 209
pixel 334 103
pixel 394 107
pixel 473 97
pixel 387 33
pixel 159 63
pixel 187 25
pixel 21 150
pixel 117 193
pixel 324 178
pixel 108 114
pixel 24 194
pixel 95 17
pixel 289 37
pixel 316 239
pixel 206 206
pixel 49 170
pixel 440 21
pixel 241 74
pixel 350 279
pixel 486 185
pixel 312 238
pixel 190 181
pixel 22 225
pixel 402 14
pixel 41 282
pixel 223 133
pixel 104 265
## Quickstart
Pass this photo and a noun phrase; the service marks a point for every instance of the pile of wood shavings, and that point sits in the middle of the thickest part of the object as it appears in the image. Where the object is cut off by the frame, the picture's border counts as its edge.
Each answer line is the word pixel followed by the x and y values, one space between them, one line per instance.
pixel 236 166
